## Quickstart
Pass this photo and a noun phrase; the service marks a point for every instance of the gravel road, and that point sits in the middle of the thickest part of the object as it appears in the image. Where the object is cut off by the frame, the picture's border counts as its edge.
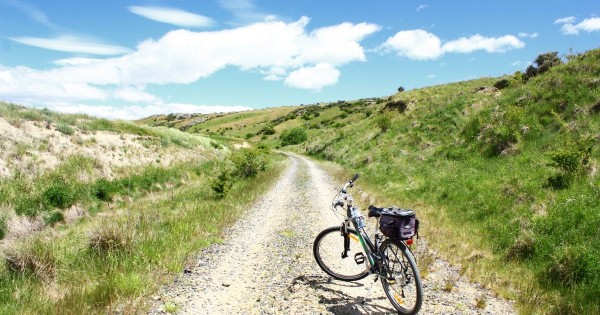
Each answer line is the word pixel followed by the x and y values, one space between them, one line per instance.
pixel 265 265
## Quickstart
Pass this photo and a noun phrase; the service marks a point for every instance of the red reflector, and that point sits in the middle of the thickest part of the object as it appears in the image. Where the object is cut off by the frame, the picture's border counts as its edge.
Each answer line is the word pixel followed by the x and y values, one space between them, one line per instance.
pixel 409 241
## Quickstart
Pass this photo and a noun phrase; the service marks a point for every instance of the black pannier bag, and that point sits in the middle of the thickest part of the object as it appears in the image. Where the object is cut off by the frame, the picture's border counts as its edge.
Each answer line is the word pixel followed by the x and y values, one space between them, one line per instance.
pixel 398 223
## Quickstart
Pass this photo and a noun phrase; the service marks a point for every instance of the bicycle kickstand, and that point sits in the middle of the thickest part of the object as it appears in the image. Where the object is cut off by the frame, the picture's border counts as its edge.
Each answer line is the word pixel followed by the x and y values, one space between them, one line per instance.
pixel 369 291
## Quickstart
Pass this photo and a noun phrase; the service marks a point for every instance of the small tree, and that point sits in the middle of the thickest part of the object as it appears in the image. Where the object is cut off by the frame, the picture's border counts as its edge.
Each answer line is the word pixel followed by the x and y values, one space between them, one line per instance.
pixel 401 89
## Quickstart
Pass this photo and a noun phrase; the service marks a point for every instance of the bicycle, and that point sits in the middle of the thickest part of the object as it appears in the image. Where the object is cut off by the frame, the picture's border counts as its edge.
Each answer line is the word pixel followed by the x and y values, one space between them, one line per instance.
pixel 388 257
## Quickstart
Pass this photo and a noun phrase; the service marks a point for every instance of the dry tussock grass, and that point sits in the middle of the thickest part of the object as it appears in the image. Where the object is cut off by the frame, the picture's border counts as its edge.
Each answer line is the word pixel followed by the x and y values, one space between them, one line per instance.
pixel 113 236
pixel 36 258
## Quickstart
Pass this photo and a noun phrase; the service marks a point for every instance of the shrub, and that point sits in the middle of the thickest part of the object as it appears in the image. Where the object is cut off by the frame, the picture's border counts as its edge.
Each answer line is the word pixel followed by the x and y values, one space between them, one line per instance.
pixel 248 162
pixel 65 129
pixel 543 63
pixel 546 61
pixel 293 136
pixel 400 89
pixel 501 84
pixel 570 161
pixel 399 105
pixel 53 218
pixel 59 195
pixel 267 130
pixel 222 183
pixel 384 122
pixel 104 189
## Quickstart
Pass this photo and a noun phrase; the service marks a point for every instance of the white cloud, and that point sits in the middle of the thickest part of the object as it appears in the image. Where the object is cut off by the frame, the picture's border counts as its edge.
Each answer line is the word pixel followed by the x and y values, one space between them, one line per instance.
pixel 313 78
pixel 24 85
pixel 135 95
pixel 478 42
pixel 568 19
pixel 245 11
pixel 431 76
pixel 273 48
pixel 33 12
pixel 528 35
pixel 172 16
pixel 422 45
pixel 414 44
pixel 136 111
pixel 72 44
pixel 588 25
pixel 422 7
pixel 75 61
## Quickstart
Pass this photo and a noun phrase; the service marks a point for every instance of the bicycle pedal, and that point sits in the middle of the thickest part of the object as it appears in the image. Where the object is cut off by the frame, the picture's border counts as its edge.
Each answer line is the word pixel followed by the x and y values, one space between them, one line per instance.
pixel 359 258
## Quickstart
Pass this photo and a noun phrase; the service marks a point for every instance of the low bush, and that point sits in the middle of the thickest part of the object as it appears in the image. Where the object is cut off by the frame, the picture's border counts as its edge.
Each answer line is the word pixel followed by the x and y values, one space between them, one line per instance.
pixel 65 129
pixel 104 189
pixel 384 122
pixel 293 136
pixel 59 195
pixel 248 162
pixel 222 183
pixel 501 84
pixel 398 105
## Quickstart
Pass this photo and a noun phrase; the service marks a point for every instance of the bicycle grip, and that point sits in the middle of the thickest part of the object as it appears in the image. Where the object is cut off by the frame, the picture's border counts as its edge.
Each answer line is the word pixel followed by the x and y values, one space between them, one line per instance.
pixel 356 176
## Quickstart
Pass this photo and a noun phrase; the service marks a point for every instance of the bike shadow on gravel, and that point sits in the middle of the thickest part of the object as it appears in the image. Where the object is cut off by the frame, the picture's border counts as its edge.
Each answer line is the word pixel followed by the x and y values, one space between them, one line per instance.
pixel 338 302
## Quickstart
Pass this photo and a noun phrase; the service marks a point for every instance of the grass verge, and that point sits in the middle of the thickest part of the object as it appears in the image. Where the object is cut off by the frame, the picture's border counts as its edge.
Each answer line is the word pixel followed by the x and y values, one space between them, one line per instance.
pixel 112 262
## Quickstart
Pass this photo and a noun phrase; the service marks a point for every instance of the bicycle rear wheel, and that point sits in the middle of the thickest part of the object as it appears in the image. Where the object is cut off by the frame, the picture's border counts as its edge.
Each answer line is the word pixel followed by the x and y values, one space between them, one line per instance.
pixel 400 277
pixel 328 250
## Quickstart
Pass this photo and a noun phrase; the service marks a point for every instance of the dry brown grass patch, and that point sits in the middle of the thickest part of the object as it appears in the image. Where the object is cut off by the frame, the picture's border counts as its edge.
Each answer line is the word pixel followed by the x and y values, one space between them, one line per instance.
pixel 115 236
pixel 36 258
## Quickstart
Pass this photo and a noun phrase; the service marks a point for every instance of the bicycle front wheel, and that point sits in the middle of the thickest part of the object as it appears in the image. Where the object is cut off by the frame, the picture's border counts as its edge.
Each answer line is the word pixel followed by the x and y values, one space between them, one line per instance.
pixel 400 277
pixel 328 250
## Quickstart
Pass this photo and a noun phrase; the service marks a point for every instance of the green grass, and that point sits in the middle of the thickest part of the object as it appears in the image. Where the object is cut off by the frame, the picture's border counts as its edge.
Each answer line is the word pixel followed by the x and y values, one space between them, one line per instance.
pixel 95 265
pixel 481 170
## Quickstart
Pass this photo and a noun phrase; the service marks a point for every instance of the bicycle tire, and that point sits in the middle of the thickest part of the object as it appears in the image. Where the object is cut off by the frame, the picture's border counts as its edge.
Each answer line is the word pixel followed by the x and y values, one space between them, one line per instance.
pixel 400 277
pixel 327 250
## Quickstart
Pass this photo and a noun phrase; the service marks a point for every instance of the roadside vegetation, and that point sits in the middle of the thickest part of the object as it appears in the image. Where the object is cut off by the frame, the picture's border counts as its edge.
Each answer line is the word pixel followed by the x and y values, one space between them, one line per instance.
pixel 506 179
pixel 76 241
pixel 503 171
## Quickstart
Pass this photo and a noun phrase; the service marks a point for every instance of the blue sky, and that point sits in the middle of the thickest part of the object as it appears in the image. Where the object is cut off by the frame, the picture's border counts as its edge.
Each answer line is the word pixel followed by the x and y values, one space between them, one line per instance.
pixel 131 59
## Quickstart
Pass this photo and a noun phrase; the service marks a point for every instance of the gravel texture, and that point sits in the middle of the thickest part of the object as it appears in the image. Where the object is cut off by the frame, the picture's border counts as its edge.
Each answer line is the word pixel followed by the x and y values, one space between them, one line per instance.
pixel 266 266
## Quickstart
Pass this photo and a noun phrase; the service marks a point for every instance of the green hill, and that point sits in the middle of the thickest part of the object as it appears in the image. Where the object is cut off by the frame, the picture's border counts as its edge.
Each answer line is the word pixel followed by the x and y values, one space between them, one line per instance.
pixel 503 171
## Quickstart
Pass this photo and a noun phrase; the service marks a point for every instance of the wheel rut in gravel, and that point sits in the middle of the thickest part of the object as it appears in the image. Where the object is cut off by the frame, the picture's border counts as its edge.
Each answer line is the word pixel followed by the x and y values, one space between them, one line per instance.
pixel 265 264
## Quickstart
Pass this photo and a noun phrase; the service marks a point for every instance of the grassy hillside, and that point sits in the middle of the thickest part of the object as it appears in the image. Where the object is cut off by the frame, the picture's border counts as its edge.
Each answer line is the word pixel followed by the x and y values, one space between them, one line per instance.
pixel 512 171
pixel 503 171
pixel 95 214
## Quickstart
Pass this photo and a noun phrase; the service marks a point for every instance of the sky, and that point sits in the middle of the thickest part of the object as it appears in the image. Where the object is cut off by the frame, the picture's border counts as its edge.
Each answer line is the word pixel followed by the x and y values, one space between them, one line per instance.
pixel 122 59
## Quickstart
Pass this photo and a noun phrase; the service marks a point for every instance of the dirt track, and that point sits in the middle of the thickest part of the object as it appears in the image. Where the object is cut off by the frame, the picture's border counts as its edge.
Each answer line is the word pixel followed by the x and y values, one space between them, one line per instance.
pixel 265 265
